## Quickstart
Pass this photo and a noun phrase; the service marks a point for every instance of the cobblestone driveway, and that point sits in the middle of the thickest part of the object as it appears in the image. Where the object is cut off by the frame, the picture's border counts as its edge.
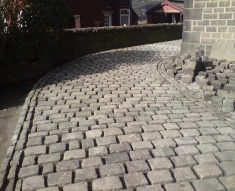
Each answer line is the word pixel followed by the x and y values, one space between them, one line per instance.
pixel 111 121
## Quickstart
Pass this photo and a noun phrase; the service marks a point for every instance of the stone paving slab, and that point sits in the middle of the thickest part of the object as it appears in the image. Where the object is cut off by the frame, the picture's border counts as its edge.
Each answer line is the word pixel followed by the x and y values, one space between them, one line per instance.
pixel 115 121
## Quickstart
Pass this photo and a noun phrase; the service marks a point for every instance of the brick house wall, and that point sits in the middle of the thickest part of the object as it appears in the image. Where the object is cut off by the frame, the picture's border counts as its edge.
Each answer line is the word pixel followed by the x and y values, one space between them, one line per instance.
pixel 207 21
pixel 91 13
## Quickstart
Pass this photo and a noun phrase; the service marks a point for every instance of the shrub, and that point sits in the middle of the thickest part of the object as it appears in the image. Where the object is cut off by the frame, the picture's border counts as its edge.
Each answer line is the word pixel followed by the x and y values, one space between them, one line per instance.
pixel 31 30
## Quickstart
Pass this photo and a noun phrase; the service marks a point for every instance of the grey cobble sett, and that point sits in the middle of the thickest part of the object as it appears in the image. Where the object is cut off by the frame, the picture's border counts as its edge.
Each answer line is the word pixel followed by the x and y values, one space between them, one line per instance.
pixel 228 168
pixel 134 180
pixel 33 183
pixel 28 171
pixel 121 125
pixel 60 179
pixel 86 174
pixel 228 182
pixel 184 174
pixel 48 169
pixel 183 161
pixel 150 188
pixel 187 150
pixel 57 148
pixel 70 165
pixel 132 129
pixel 112 170
pixel 129 138
pixel 106 141
pixel 163 152
pixel 137 166
pixel 160 177
pixel 98 151
pixel 140 145
pixel 181 186
pixel 207 171
pixel 208 184
pixel 107 183
pixel 160 163
pixel 49 158
pixel 206 159
pixel 82 186
pixel 140 155
pixel 161 143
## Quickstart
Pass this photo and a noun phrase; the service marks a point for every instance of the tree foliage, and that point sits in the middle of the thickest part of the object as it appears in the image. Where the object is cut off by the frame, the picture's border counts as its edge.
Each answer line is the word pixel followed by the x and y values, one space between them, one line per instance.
pixel 29 29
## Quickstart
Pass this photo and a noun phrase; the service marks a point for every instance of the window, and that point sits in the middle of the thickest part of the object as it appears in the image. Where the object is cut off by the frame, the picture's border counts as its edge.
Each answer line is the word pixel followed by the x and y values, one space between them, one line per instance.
pixel 77 21
pixel 107 20
pixel 173 18
pixel 124 17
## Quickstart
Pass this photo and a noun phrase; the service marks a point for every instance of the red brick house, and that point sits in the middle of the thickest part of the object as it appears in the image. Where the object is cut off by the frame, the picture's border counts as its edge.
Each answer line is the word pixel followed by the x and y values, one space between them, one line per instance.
pixel 166 12
pixel 99 13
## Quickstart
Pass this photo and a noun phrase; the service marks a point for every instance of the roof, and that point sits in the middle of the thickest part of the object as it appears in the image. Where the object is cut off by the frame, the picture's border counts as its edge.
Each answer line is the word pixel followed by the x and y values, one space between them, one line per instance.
pixel 177 5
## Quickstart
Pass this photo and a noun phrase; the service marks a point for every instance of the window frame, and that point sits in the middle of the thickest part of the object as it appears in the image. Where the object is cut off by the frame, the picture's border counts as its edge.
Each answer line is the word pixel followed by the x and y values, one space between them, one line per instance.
pixel 109 15
pixel 129 17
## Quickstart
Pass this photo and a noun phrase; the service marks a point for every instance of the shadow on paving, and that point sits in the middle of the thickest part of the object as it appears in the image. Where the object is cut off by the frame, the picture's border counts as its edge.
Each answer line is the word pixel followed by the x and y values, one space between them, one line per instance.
pixel 103 62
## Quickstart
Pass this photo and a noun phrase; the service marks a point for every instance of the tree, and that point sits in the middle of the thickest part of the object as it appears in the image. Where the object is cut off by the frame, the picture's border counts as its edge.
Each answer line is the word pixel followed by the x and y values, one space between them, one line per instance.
pixel 31 28
pixel 9 22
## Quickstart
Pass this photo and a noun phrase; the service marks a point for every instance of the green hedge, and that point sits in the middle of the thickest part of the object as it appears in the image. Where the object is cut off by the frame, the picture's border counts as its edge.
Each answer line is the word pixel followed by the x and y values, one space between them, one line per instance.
pixel 74 43
pixel 79 42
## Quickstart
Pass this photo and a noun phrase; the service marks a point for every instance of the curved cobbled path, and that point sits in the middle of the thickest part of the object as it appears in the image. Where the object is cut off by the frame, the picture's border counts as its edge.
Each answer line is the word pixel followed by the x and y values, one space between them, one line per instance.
pixel 115 121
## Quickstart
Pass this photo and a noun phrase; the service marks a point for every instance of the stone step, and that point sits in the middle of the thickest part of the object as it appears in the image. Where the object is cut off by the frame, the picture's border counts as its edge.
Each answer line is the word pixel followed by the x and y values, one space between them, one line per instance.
pixel 211 78
pixel 187 79
pixel 178 67
pixel 217 70
pixel 221 75
pixel 224 65
pixel 215 63
pixel 229 87
pixel 232 66
pixel 189 65
pixel 216 101
pixel 228 71
pixel 230 95
pixel 223 80
pixel 228 105
pixel 232 75
pixel 202 73
pixel 208 88
pixel 179 62
pixel 195 58
pixel 210 73
pixel 217 84
pixel 208 95
pixel 222 93
pixel 201 81
pixel 188 71
pixel 231 81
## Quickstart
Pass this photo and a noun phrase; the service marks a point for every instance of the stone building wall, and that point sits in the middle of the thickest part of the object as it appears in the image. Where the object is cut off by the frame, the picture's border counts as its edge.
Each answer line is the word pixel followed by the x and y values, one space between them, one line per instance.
pixel 206 22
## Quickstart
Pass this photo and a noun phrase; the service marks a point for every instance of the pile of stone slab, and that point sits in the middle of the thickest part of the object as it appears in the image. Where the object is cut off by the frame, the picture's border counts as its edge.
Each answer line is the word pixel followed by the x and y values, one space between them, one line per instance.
pixel 215 77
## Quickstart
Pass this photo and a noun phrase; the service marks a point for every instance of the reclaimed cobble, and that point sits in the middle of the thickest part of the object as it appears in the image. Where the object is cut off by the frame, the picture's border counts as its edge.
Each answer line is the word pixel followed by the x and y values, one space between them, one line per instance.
pixel 160 177
pixel 116 121
pixel 184 174
pixel 86 174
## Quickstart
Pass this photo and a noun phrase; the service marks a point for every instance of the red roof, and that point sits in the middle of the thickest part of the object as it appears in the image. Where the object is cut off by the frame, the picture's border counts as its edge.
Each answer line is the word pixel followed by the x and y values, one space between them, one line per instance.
pixel 163 3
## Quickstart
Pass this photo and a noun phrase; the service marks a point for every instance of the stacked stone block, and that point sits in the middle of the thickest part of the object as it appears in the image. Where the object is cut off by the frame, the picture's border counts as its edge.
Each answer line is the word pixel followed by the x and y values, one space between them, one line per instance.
pixel 215 77
pixel 206 22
